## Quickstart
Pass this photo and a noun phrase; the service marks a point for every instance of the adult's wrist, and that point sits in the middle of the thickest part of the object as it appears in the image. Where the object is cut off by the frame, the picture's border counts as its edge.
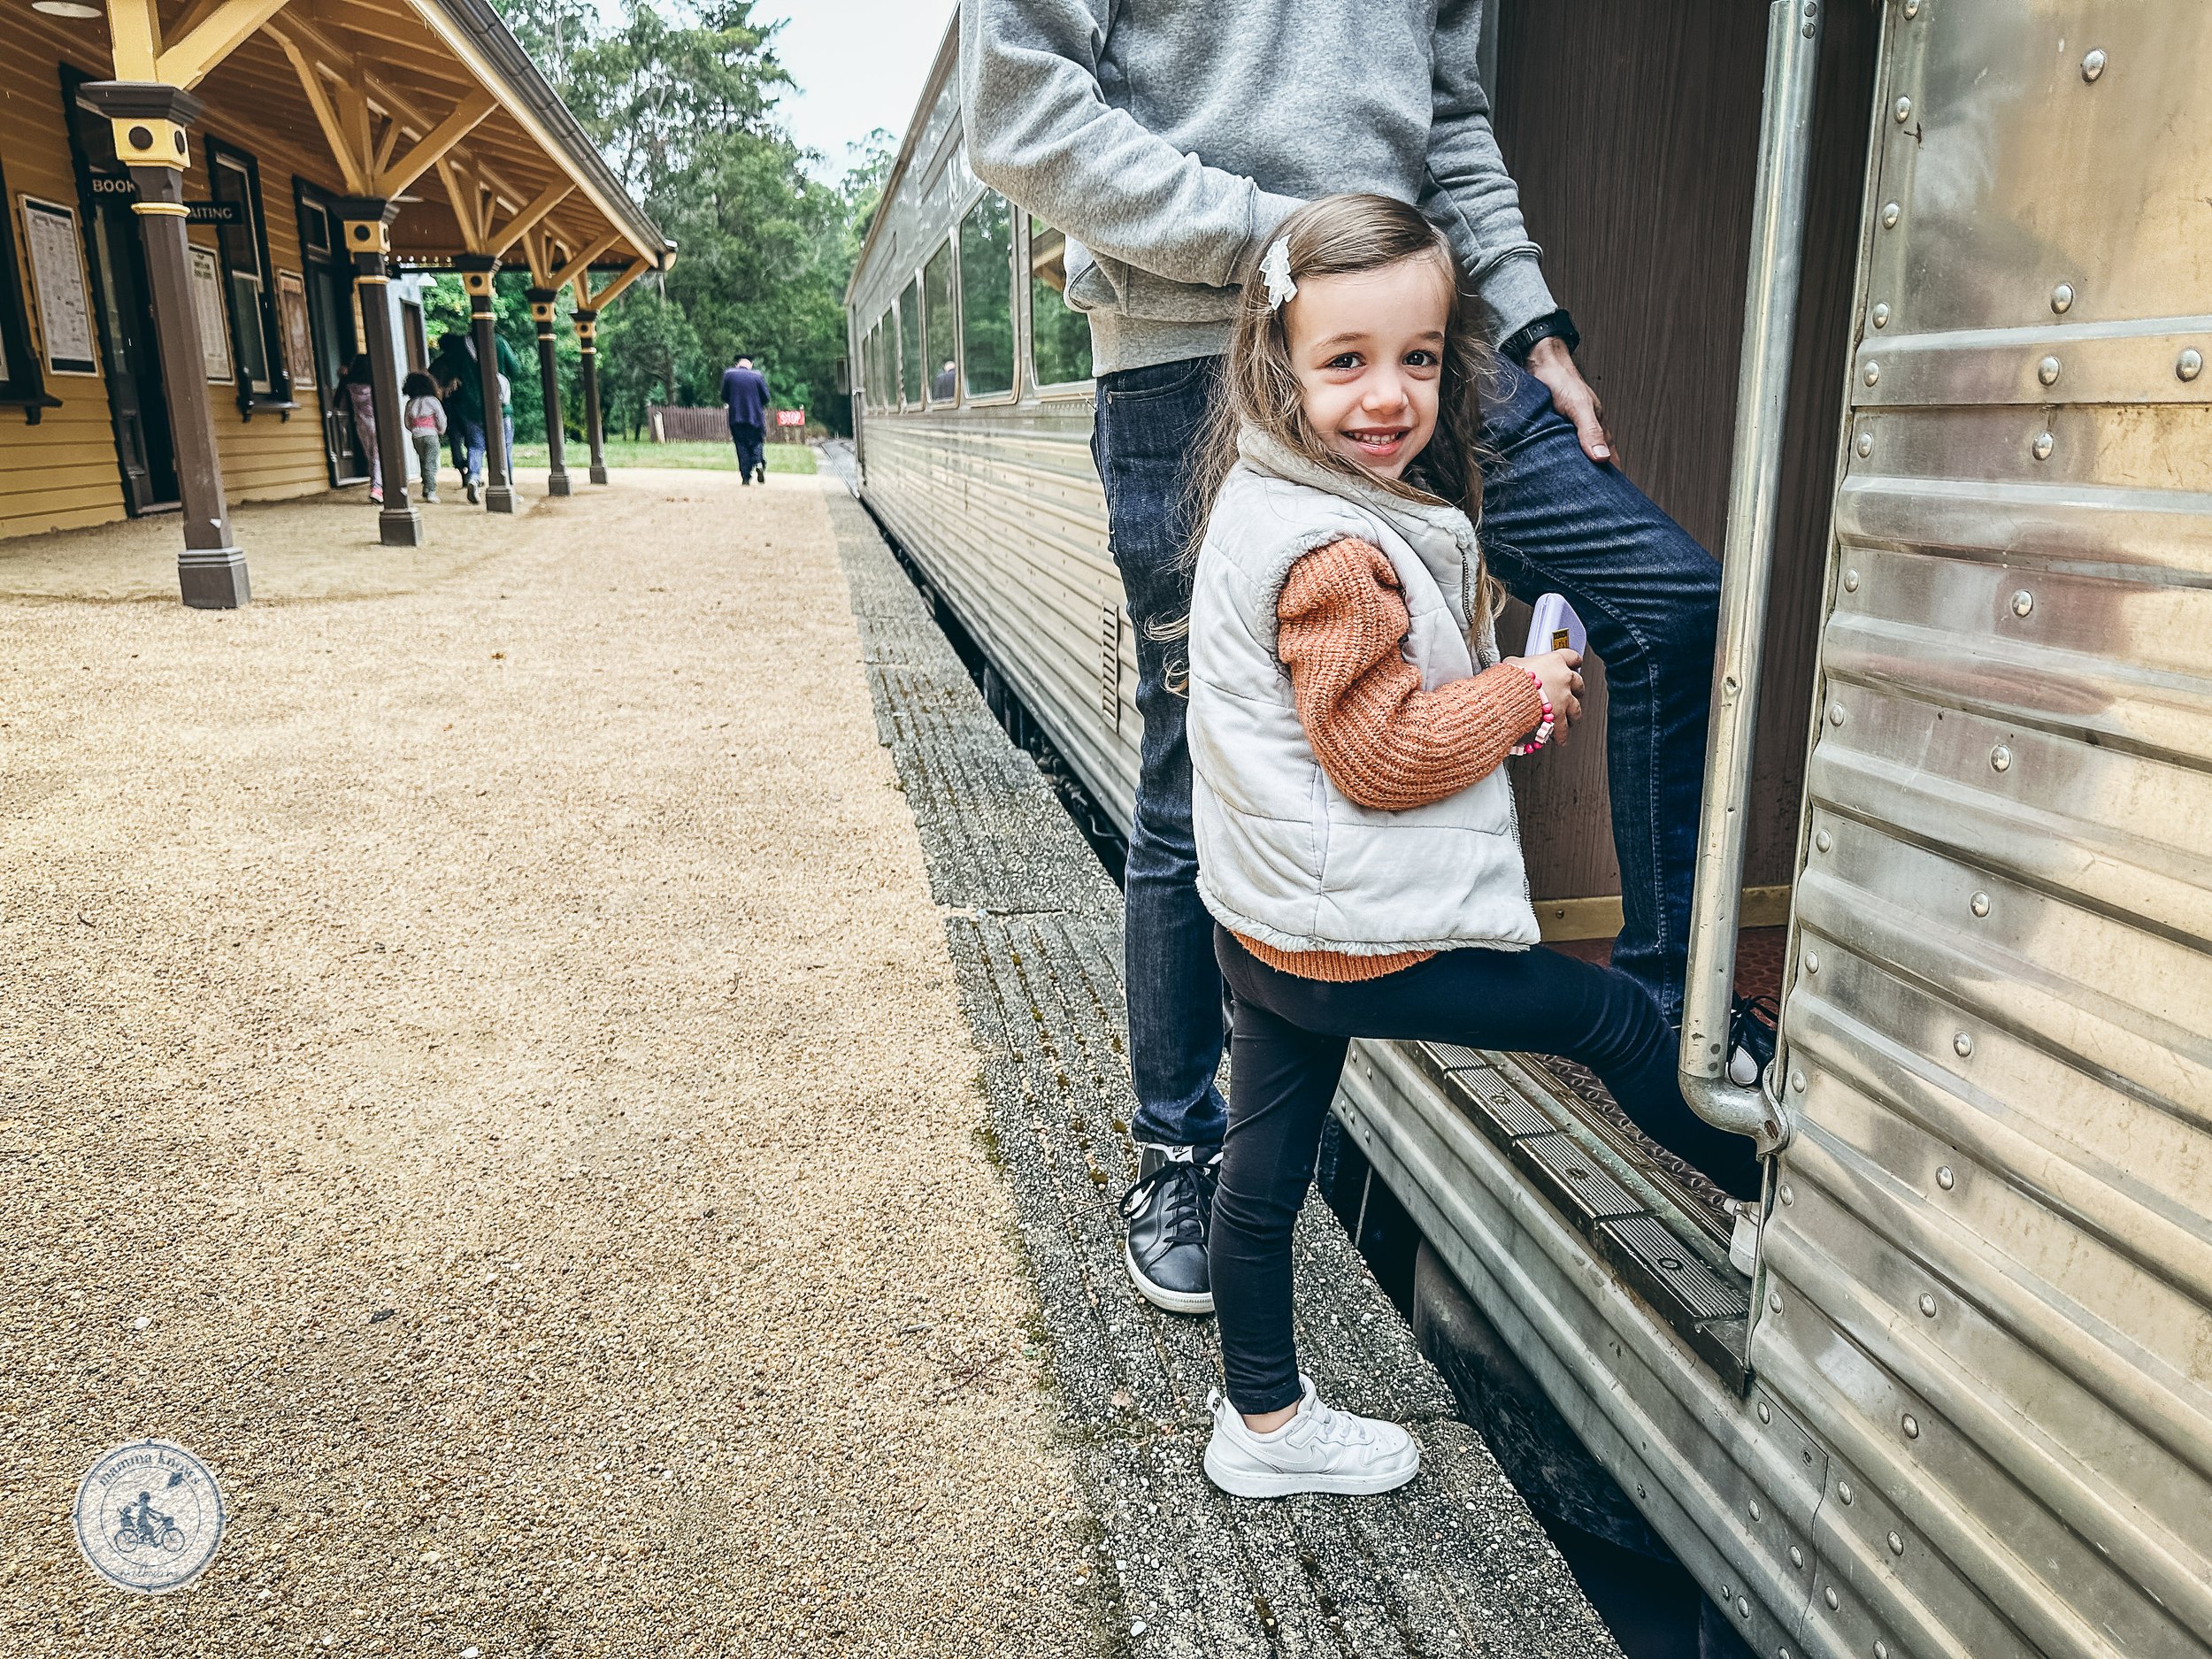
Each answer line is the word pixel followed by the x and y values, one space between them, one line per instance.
pixel 1553 325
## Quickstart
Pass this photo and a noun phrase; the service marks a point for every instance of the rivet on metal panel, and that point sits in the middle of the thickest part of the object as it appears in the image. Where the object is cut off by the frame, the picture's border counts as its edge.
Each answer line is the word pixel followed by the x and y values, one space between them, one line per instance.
pixel 1946 1180
pixel 1851 581
pixel 1835 714
pixel 2047 371
pixel 1911 1426
pixel 2000 758
pixel 2188 365
pixel 2092 66
pixel 1831 1597
pixel 1766 1413
pixel 1904 110
pixel 1881 1650
pixel 1756 1512
pixel 1872 373
pixel 1788 1193
pixel 1866 444
pixel 1797 1556
pixel 1822 841
pixel 1743 1606
pixel 1962 1045
pixel 1927 1304
pixel 1978 904
pixel 2062 299
pixel 1889 216
pixel 1774 1301
pixel 1797 1081
pixel 1812 962
pixel 1912 8
pixel 1843 1490
pixel 1881 316
pixel 2023 603
pixel 2043 445
pixel 1896 1545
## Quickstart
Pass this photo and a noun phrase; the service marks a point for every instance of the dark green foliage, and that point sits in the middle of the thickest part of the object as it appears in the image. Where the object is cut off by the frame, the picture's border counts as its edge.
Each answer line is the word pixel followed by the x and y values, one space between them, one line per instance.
pixel 683 106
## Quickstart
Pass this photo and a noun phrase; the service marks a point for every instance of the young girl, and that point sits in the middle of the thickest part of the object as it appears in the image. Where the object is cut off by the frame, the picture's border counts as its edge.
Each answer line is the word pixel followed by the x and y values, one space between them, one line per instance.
pixel 361 400
pixel 424 417
pixel 1358 844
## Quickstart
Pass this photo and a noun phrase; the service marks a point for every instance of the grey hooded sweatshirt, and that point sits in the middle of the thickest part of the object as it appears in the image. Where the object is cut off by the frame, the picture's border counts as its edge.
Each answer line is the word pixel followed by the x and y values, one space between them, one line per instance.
pixel 1170 137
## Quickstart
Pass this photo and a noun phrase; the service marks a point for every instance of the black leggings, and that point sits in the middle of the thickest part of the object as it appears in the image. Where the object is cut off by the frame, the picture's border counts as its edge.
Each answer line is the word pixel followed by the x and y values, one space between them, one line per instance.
pixel 1288 1049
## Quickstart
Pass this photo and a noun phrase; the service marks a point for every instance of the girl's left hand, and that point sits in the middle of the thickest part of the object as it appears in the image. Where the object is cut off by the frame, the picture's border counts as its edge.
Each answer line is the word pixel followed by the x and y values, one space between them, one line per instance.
pixel 1555 671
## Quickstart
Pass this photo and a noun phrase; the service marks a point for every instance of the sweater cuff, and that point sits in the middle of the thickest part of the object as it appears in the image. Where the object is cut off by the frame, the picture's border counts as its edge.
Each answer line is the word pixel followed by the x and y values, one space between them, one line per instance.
pixel 1268 212
pixel 1519 707
pixel 1514 294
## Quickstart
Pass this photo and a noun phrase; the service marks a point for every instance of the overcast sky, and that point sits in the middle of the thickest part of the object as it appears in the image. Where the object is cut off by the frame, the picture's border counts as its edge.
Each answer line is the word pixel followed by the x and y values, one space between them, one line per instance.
pixel 859 64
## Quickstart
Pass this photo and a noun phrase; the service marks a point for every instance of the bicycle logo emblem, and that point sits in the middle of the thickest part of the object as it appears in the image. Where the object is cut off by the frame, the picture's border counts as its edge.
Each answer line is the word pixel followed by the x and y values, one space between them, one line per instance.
pixel 150 1516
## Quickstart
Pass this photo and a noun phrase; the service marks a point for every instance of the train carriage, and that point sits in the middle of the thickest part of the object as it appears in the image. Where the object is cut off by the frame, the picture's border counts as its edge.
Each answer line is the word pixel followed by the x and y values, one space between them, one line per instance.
pixel 1903 308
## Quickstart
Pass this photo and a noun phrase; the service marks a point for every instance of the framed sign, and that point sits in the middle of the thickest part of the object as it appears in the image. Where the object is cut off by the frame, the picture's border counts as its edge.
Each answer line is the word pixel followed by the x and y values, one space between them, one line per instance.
pixel 299 349
pixel 58 283
pixel 207 310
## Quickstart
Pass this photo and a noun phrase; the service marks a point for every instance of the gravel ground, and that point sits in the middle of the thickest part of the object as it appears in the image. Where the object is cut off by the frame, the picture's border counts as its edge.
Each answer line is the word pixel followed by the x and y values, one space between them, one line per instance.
pixel 481 1068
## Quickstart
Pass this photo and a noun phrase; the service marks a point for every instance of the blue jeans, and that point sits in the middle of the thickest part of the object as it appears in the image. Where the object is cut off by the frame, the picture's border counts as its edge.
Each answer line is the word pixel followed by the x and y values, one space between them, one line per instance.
pixel 467 438
pixel 1553 520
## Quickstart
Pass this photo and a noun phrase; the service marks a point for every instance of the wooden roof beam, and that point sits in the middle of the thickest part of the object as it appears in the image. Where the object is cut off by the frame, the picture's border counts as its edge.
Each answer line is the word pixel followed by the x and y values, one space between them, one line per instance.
pixel 212 33
pixel 592 302
pixel 339 129
pixel 466 119
pixel 574 270
pixel 522 224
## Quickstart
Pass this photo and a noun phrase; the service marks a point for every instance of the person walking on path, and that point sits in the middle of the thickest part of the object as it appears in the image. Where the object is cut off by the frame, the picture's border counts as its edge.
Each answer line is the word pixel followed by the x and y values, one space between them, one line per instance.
pixel 745 395
pixel 1169 142
pixel 424 417
pixel 361 401
pixel 455 370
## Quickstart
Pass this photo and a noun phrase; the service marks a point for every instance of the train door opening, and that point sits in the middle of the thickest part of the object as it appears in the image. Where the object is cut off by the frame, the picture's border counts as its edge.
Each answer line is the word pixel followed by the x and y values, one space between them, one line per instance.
pixel 122 297
pixel 1632 132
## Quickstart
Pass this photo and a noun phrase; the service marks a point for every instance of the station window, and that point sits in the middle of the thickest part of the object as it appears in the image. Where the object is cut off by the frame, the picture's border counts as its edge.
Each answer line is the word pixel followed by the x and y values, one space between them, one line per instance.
pixel 910 345
pixel 987 295
pixel 235 181
pixel 1059 339
pixel 940 333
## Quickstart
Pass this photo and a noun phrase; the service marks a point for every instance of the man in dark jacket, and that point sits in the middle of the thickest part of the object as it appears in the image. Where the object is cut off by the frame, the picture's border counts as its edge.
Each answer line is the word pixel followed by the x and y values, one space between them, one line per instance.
pixel 745 395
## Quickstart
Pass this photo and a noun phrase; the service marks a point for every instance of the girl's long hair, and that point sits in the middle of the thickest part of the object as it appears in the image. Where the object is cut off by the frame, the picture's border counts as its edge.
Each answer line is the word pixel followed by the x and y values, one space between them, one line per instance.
pixel 1344 236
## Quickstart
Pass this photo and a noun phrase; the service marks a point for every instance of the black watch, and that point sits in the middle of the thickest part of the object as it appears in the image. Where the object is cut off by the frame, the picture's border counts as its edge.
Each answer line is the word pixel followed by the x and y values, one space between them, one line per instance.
pixel 1551 326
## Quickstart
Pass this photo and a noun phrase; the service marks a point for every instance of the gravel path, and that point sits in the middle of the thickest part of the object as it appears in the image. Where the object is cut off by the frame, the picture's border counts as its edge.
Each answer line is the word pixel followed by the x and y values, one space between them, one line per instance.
pixel 480 1068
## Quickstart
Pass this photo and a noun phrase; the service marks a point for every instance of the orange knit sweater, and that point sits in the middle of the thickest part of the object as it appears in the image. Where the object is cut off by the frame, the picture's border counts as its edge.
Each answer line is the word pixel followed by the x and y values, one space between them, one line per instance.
pixel 1383 742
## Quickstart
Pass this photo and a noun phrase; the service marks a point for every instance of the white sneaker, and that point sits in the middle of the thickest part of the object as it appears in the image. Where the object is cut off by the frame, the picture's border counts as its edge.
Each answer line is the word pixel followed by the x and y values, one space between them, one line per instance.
pixel 1321 1450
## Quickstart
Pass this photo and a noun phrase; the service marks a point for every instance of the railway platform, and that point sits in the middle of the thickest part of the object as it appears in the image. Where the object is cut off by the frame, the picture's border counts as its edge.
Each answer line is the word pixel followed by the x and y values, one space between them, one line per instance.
pixel 508 1048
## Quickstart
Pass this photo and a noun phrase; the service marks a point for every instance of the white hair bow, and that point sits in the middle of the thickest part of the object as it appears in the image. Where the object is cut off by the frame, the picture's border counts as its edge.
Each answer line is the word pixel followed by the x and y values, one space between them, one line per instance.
pixel 1275 270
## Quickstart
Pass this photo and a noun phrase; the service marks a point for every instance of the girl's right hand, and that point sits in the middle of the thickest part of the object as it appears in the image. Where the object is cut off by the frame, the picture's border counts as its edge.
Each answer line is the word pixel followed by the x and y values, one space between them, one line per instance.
pixel 1555 671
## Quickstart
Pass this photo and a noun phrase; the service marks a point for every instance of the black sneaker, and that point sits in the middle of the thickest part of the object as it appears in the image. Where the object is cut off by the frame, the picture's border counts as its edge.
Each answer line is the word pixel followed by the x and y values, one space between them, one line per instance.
pixel 1169 1211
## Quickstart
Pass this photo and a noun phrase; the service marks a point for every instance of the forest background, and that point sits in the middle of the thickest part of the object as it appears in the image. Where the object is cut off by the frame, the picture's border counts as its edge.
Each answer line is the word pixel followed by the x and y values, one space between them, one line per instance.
pixel 681 100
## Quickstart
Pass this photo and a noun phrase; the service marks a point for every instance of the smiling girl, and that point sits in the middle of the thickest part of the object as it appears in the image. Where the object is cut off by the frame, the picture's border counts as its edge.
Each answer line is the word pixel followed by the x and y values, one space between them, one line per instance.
pixel 1358 844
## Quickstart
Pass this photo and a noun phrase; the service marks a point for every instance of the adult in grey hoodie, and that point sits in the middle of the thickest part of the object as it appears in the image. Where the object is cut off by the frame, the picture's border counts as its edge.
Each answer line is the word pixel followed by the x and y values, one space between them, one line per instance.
pixel 1166 138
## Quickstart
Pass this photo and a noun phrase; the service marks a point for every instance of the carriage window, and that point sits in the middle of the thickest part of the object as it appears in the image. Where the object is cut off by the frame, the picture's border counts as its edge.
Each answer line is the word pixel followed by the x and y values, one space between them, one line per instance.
pixel 940 334
pixel 987 295
pixel 1059 339
pixel 910 345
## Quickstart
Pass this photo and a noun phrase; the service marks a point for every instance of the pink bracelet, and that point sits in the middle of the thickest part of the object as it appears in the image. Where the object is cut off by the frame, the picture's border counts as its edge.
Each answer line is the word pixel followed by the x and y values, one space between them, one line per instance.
pixel 1542 734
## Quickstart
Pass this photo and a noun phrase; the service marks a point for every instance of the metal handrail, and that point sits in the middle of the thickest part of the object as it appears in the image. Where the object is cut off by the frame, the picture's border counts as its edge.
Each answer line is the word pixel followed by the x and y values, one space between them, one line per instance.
pixel 1777 239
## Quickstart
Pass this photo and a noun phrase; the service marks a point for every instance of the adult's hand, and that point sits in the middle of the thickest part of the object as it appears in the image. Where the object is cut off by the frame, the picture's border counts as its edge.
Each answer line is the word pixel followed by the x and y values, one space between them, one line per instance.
pixel 1550 362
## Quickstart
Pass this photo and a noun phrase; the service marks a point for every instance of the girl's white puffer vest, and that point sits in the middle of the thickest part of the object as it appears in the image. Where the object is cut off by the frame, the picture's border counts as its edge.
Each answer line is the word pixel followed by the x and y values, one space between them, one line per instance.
pixel 1283 857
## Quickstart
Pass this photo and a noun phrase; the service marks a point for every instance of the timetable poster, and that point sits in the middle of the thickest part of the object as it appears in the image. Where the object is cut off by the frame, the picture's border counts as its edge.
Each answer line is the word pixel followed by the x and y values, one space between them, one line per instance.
pixel 207 307
pixel 57 280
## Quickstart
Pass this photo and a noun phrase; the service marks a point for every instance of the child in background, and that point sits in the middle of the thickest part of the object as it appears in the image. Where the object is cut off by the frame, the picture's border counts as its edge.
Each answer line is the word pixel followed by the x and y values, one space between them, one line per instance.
pixel 360 384
pixel 1358 846
pixel 424 417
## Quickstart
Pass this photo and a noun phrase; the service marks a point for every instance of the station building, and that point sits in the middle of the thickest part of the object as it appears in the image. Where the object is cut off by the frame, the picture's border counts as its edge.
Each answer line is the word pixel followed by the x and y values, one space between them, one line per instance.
pixel 214 206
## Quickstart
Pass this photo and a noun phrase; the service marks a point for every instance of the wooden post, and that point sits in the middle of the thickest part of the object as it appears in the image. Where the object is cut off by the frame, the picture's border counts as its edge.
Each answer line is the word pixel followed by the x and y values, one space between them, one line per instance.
pixel 365 221
pixel 549 385
pixel 476 276
pixel 587 337
pixel 149 119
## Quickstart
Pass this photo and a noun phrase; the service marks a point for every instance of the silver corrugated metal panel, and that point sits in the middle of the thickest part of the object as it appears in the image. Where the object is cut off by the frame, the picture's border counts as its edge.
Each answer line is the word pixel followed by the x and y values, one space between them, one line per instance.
pixel 1987 1283
pixel 1002 508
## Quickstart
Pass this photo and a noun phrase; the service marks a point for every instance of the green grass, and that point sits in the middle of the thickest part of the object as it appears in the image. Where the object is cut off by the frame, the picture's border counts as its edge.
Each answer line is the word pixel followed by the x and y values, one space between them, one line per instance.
pixel 715 458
